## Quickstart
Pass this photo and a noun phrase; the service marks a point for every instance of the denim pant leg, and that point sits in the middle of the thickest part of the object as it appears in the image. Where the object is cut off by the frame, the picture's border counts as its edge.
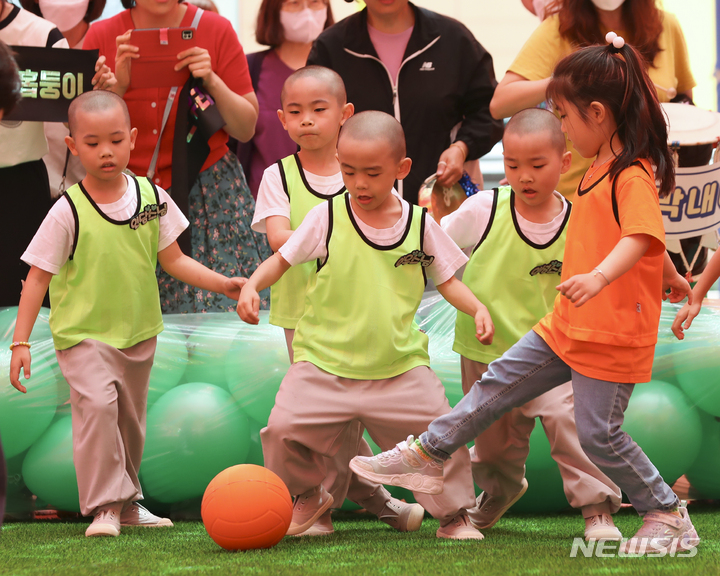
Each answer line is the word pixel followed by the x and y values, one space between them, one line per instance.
pixel 599 413
pixel 525 371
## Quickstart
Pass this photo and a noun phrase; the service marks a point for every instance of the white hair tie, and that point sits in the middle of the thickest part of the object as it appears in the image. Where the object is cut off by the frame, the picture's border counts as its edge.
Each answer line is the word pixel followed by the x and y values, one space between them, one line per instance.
pixel 617 41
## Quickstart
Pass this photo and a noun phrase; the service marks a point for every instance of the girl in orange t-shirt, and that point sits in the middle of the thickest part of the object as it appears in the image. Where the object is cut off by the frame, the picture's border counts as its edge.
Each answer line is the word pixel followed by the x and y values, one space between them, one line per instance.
pixel 603 328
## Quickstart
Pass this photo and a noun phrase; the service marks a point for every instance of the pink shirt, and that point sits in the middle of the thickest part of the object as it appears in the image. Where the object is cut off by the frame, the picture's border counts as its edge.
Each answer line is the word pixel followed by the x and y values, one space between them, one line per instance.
pixel 390 48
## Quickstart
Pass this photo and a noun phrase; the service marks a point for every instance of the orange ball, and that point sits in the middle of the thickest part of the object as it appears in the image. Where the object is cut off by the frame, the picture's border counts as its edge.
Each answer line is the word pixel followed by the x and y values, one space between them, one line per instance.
pixel 246 507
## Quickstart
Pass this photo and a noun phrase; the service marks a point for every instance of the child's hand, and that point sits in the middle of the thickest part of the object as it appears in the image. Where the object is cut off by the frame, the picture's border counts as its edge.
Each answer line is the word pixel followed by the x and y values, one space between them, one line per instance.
pixel 249 305
pixel 233 286
pixel 484 328
pixel 20 359
pixel 679 288
pixel 686 314
pixel 582 287
pixel 104 78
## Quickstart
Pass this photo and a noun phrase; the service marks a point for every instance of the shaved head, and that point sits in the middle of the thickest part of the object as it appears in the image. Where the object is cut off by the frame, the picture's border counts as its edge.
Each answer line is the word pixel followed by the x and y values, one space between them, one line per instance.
pixel 376 126
pixel 332 80
pixel 533 122
pixel 93 102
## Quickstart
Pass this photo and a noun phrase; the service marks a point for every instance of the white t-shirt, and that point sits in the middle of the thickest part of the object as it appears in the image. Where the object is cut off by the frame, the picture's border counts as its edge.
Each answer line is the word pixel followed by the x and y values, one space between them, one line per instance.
pixel 272 200
pixel 25 141
pixel 51 246
pixel 308 242
pixel 467 224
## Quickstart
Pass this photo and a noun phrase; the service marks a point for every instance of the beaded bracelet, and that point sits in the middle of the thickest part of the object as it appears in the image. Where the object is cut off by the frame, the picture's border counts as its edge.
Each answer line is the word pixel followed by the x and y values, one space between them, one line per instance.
pixel 19 344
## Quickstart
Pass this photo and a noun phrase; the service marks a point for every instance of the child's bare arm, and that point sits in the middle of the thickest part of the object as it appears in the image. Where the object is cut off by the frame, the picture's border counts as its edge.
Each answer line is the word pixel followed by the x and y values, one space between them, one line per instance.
pixel 36 285
pixel 187 270
pixel 462 298
pixel 686 315
pixel 582 287
pixel 278 231
pixel 264 276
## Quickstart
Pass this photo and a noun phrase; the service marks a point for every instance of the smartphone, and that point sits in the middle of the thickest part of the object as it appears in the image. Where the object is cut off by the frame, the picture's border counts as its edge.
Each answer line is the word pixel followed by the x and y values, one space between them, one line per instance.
pixel 159 48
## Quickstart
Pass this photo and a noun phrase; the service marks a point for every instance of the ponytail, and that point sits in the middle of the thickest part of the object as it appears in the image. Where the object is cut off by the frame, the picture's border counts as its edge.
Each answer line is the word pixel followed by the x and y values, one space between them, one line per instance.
pixel 615 76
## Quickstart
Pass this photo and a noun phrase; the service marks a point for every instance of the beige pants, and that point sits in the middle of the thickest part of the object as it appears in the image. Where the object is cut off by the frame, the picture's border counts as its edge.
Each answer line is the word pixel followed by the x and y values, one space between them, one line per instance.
pixel 499 454
pixel 314 416
pixel 340 481
pixel 108 394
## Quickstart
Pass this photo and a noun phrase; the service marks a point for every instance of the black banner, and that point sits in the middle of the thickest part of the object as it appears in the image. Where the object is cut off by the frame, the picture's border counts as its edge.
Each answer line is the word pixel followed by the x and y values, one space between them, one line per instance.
pixel 50 79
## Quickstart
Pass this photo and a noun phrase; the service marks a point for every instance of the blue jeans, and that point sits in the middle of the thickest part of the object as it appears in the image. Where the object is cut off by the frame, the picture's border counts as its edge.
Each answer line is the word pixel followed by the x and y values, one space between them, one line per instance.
pixel 526 371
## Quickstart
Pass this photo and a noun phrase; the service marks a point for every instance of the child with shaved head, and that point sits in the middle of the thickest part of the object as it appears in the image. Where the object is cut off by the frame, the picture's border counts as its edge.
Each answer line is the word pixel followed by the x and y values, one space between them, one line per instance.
pixel 96 251
pixel 357 353
pixel 517 237
pixel 314 108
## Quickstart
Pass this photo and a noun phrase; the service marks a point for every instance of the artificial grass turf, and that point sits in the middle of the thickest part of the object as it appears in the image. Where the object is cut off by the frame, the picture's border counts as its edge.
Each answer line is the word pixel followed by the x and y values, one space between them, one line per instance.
pixel 518 544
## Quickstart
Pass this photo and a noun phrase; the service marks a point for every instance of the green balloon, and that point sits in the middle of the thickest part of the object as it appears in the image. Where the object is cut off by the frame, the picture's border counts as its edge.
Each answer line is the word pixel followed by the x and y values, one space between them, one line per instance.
pixel 255 453
pixel 24 417
pixel 704 473
pixel 48 468
pixel 169 365
pixel 194 432
pixel 255 365
pixel 545 491
pixel 40 332
pixel 698 373
pixel 666 425
pixel 19 504
pixel 208 344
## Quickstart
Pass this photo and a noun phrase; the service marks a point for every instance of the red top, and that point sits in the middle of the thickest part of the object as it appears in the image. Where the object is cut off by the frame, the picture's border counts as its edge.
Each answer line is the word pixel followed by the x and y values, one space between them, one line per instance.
pixel 147 105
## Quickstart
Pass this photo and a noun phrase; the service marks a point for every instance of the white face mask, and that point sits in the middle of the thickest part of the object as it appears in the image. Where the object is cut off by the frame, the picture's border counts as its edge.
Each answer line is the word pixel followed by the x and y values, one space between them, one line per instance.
pixel 608 5
pixel 303 26
pixel 65 14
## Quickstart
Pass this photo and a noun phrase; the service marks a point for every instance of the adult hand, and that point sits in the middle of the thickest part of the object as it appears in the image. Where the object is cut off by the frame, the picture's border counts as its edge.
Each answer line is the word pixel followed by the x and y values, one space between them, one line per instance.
pixel 104 78
pixel 123 57
pixel 199 62
pixel 450 165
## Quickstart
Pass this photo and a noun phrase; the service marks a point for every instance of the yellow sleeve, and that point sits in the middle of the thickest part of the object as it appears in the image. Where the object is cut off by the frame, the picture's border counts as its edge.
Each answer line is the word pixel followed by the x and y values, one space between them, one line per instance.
pixel 676 39
pixel 545 48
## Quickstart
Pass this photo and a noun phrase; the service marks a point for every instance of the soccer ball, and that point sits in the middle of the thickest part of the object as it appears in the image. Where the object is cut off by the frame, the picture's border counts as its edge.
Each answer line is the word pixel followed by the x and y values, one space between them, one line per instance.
pixel 246 507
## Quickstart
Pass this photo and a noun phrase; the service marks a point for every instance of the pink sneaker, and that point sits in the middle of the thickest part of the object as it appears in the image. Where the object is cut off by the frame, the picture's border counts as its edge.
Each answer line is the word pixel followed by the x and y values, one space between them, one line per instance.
pixel 106 522
pixel 308 508
pixel 459 528
pixel 402 516
pixel 663 531
pixel 323 527
pixel 401 466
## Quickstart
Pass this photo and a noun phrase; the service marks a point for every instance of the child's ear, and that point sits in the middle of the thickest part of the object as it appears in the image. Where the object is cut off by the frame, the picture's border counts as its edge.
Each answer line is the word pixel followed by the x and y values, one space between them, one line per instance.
pixel 70 143
pixel 281 117
pixel 598 112
pixel 566 160
pixel 133 137
pixel 348 110
pixel 403 168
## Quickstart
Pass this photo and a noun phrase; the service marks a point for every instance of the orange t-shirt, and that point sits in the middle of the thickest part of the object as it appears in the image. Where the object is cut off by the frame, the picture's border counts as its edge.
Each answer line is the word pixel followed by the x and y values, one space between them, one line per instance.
pixel 611 337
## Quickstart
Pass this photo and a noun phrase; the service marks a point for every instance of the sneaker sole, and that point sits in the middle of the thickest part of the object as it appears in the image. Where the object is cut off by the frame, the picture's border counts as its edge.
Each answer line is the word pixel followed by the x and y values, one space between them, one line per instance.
pixel 415 519
pixel 164 523
pixel 107 530
pixel 465 535
pixel 502 511
pixel 413 482
pixel 610 534
pixel 298 529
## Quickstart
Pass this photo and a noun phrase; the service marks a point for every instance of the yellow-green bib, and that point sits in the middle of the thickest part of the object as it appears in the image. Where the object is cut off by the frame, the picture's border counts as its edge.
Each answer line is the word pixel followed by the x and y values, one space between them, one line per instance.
pixel 514 277
pixel 107 289
pixel 287 295
pixel 359 314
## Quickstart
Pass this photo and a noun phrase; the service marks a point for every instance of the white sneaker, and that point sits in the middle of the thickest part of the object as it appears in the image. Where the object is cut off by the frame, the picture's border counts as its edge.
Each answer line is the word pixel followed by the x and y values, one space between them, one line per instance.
pixel 402 516
pixel 459 528
pixel 105 523
pixel 137 515
pixel 308 508
pixel 401 466
pixel 601 527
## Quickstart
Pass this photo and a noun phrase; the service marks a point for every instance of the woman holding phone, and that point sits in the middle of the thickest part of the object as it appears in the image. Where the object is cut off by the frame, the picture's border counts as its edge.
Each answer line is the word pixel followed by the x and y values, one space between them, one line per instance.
pixel 220 206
